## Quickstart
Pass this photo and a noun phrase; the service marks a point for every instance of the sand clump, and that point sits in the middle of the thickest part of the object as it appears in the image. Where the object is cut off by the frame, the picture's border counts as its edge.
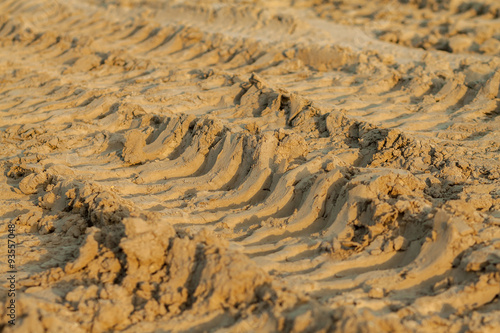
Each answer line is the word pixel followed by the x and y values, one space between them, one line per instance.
pixel 235 167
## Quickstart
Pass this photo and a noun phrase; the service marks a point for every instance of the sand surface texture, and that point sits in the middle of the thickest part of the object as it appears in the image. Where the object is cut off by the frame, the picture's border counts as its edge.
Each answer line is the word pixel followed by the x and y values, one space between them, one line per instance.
pixel 251 166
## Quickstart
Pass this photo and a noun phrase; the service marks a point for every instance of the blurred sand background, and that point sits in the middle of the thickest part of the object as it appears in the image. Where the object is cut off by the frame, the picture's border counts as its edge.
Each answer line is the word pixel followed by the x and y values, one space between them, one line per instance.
pixel 251 166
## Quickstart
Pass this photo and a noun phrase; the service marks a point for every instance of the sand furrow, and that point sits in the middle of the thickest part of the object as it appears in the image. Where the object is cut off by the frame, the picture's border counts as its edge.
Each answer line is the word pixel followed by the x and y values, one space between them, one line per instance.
pixel 251 166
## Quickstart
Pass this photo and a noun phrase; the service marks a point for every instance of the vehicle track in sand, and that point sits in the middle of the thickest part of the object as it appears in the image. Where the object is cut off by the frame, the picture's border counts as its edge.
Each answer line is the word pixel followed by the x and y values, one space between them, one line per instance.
pixel 262 166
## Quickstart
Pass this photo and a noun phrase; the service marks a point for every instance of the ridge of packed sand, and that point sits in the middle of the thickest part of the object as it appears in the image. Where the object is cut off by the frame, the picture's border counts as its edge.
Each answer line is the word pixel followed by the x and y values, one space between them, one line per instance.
pixel 250 166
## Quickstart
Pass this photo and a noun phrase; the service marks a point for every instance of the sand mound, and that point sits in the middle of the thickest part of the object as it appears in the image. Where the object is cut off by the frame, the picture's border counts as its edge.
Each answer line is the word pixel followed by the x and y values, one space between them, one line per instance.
pixel 251 166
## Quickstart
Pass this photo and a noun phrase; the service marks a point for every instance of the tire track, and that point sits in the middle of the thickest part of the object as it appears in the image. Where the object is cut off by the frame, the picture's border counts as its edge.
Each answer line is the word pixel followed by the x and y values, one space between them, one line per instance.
pixel 174 164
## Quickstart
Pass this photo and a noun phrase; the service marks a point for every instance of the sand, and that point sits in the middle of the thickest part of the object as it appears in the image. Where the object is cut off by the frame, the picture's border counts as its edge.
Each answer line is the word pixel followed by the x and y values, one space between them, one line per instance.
pixel 250 166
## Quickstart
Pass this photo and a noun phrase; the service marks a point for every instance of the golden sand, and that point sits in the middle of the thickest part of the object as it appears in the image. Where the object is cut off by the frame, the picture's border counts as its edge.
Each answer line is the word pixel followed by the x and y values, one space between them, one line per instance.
pixel 250 166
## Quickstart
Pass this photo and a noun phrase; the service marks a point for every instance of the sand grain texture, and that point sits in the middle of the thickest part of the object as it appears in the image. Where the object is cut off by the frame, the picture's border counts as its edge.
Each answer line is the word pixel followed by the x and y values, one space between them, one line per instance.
pixel 251 166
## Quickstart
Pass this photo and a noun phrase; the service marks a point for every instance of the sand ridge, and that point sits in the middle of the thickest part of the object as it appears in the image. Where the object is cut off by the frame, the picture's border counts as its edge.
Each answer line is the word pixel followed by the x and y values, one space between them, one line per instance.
pixel 251 165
